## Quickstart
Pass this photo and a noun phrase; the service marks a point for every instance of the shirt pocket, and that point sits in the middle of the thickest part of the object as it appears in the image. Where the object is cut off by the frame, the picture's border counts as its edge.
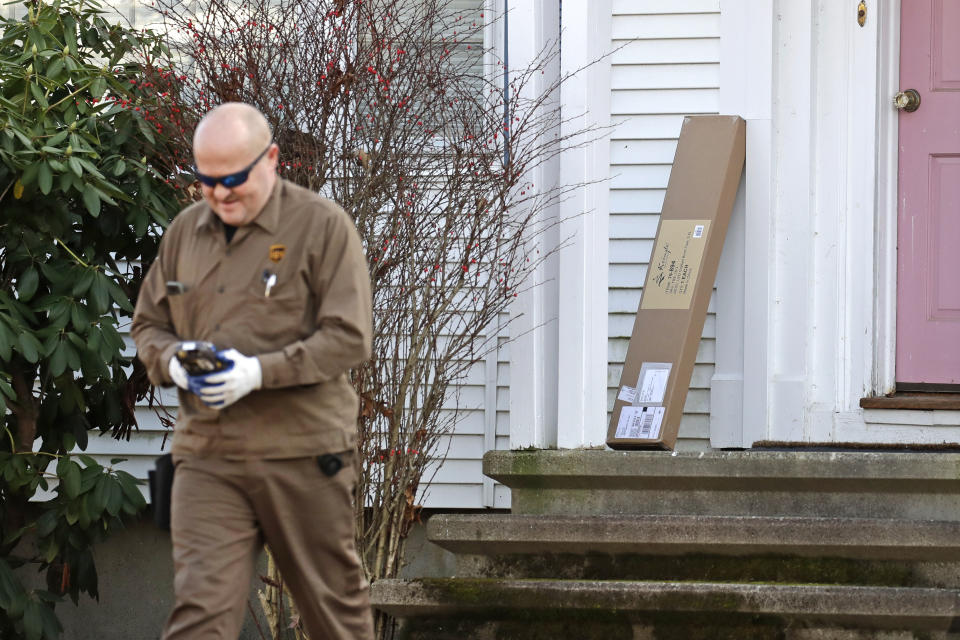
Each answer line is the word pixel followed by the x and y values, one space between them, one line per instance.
pixel 183 314
pixel 274 321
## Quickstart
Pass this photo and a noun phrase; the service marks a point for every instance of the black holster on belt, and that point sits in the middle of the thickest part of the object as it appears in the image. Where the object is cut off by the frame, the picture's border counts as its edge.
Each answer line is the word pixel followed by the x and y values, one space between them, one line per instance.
pixel 161 486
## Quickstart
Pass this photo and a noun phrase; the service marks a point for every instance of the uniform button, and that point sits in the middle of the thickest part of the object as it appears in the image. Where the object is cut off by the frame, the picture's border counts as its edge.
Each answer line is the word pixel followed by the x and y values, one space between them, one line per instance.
pixel 216 328
pixel 221 289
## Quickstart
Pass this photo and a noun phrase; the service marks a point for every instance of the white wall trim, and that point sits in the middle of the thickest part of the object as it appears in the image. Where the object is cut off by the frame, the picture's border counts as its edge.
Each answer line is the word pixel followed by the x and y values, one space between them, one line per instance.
pixel 584 226
pixel 533 25
pixel 792 225
pixel 865 107
pixel 739 389
pixel 885 242
pixel 843 171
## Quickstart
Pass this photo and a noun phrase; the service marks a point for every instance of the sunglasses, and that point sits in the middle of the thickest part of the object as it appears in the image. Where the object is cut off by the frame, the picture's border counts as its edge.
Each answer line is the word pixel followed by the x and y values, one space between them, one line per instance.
pixel 234 179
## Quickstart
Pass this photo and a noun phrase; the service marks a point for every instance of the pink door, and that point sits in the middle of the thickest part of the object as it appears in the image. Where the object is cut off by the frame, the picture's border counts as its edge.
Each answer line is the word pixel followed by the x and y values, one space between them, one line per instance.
pixel 928 260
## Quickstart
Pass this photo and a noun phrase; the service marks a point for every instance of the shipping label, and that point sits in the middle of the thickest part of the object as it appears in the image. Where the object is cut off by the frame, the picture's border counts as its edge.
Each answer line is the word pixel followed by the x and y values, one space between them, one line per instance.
pixel 675 264
pixel 640 423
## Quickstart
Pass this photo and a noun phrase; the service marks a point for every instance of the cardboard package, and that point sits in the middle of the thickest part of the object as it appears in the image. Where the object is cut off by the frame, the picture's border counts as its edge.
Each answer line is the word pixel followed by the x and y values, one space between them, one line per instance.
pixel 666 333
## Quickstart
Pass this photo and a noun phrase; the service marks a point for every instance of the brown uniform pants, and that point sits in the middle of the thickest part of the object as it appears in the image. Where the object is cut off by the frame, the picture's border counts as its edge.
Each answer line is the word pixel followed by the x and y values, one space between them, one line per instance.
pixel 223 511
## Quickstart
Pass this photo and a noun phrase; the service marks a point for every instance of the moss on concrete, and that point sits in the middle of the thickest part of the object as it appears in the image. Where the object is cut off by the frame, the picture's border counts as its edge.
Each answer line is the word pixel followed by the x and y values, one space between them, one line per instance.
pixel 707 568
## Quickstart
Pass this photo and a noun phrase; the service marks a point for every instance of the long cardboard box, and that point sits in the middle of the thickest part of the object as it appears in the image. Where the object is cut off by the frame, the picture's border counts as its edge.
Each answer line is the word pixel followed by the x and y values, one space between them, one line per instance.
pixel 666 333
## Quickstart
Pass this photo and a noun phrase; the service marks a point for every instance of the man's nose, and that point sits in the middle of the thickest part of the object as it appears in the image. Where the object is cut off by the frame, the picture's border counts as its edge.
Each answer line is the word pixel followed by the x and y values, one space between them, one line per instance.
pixel 220 192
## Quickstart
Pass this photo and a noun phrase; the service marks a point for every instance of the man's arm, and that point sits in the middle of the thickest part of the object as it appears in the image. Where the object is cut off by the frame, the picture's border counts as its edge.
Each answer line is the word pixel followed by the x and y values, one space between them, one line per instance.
pixel 344 318
pixel 152 329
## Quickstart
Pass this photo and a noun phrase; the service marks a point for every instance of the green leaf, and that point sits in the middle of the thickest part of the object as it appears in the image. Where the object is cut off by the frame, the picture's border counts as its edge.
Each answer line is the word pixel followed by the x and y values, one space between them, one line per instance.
pixel 27 286
pixel 118 295
pixel 98 87
pixel 75 166
pixel 99 496
pixel 73 358
pixel 114 498
pixel 119 167
pixel 77 318
pixel 77 342
pixel 6 341
pixel 65 181
pixel 8 391
pixel 45 178
pixel 57 139
pixel 46 524
pixel 145 130
pixel 29 173
pixel 58 360
pixel 55 68
pixel 33 620
pixel 91 199
pixel 29 346
pixel 89 167
pixel 52 629
pixel 82 284
pixel 100 294
pixel 70 33
pixel 23 139
pixel 129 485
pixel 69 473
pixel 38 95
pixel 85 519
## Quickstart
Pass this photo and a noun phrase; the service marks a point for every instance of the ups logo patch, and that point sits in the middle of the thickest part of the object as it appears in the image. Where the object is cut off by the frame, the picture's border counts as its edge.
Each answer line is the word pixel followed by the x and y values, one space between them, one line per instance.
pixel 277 251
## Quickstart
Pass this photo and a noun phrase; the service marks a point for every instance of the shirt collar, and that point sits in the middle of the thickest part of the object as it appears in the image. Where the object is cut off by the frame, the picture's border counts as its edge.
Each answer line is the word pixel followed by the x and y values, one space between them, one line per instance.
pixel 267 219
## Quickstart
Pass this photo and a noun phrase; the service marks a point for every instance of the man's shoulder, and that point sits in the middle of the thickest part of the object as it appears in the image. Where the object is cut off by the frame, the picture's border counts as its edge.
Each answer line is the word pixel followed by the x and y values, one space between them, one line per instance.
pixel 309 203
pixel 187 219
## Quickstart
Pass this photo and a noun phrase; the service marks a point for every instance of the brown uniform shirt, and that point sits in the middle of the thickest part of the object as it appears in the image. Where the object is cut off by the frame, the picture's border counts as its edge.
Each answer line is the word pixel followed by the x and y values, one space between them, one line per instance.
pixel 312 328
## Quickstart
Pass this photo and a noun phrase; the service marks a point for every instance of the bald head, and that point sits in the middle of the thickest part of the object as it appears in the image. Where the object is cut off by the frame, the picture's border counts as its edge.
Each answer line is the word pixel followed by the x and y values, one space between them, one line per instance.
pixel 236 123
pixel 236 160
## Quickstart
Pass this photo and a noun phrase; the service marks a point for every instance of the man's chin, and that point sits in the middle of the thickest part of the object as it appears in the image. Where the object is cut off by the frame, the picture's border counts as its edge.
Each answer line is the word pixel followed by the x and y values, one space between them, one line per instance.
pixel 231 214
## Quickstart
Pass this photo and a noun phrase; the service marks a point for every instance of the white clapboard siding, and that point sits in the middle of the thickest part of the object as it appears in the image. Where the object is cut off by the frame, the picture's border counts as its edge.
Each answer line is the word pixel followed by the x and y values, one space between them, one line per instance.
pixel 666 65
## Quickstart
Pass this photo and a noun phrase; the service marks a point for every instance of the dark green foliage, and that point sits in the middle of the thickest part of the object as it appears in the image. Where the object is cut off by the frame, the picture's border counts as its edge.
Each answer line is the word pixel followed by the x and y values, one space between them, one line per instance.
pixel 83 199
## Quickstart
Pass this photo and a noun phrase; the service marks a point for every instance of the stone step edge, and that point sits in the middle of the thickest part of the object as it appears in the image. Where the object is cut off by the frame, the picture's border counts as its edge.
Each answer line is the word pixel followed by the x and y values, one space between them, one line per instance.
pixel 855 538
pixel 865 607
pixel 723 470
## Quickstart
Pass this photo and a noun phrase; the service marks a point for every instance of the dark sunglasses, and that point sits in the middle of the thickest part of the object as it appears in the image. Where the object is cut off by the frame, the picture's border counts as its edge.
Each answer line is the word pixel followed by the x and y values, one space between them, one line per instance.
pixel 234 179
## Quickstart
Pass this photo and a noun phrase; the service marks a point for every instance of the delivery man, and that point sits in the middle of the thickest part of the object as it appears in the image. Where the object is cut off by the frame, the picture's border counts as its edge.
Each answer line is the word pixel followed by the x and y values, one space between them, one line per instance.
pixel 265 449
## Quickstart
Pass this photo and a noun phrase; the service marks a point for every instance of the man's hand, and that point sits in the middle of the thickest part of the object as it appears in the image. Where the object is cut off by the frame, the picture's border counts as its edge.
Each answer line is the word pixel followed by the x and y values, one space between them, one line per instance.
pixel 178 374
pixel 223 388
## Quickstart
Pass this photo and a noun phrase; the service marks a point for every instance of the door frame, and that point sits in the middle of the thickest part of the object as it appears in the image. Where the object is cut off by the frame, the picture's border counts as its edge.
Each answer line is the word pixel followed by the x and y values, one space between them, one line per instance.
pixel 885 238
pixel 768 388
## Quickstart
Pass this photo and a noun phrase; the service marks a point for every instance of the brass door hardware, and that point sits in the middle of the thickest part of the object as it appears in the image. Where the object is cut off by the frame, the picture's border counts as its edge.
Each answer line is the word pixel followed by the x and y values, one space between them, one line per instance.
pixel 908 100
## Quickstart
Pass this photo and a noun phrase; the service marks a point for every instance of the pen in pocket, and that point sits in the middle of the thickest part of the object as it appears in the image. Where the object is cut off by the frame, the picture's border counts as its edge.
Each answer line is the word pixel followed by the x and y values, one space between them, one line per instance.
pixel 269 279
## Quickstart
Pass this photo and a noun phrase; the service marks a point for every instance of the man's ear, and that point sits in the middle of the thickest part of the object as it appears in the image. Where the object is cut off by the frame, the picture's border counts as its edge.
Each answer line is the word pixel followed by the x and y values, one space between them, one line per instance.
pixel 273 155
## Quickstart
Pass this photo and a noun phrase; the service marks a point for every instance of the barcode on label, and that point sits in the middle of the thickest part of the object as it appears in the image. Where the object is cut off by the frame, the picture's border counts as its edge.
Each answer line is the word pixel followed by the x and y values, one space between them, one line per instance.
pixel 646 424
pixel 698 231
pixel 640 422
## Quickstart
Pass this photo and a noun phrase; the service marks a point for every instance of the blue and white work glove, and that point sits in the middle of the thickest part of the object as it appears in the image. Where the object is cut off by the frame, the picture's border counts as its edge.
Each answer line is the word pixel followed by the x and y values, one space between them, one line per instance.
pixel 178 374
pixel 222 388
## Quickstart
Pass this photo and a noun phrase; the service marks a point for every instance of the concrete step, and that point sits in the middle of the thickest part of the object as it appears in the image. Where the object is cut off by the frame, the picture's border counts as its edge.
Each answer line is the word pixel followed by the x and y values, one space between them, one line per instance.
pixel 425 603
pixel 704 548
pixel 860 538
pixel 912 486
